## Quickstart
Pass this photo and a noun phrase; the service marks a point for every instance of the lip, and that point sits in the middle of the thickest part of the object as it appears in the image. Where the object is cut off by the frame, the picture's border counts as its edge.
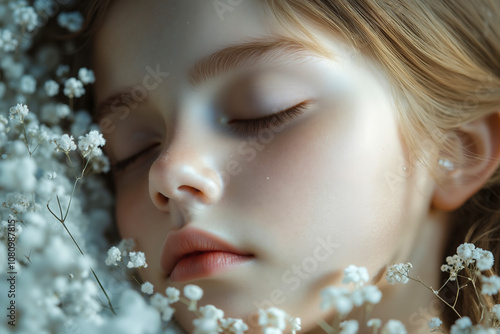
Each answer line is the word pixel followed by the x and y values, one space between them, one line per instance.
pixel 192 253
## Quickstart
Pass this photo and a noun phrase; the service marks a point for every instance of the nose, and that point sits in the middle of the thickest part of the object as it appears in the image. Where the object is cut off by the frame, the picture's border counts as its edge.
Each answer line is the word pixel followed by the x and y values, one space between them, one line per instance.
pixel 183 180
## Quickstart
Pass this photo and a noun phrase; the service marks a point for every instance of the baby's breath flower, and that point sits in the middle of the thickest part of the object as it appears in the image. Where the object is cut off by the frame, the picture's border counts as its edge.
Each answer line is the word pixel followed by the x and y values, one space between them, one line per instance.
pixel 349 327
pixel 211 312
pixel 273 317
pixel 126 246
pixel 193 293
pixel 453 266
pixel 434 324
pixel 490 285
pixel 46 6
pixel 465 252
pixel 496 311
pixel 26 17
pixel 114 256
pixel 236 326
pixel 65 143
pixel 159 301
pixel 62 70
pixel 394 327
pixel 18 175
pixel 272 330
pixel 7 41
pixel 398 273
pixel 73 88
pixel 52 113
pixel 27 84
pixel 167 313
pixel 461 326
pixel 51 88
pixel 338 298
pixel 295 324
pixel 90 143
pixel 356 275
pixel 172 294
pixel 19 111
pixel 86 76
pixel 205 326
pixel 484 259
pixel 137 260
pixel 70 20
pixel 371 294
pixel 374 322
pixel 147 288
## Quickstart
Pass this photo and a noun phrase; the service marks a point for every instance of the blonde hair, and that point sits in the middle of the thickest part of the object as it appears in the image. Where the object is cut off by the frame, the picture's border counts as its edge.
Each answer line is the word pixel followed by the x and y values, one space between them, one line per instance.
pixel 443 60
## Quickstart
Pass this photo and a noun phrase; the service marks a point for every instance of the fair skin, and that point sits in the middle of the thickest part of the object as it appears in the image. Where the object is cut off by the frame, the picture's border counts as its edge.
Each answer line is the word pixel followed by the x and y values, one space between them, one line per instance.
pixel 327 174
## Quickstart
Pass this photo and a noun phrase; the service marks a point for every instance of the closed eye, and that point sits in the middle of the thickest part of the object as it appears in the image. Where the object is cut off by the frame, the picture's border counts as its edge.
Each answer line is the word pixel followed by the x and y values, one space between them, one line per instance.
pixel 249 126
pixel 125 163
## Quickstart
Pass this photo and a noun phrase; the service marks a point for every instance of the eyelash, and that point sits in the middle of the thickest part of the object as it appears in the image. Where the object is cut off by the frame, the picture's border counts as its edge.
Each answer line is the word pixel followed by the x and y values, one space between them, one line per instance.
pixel 240 126
pixel 123 164
pixel 249 126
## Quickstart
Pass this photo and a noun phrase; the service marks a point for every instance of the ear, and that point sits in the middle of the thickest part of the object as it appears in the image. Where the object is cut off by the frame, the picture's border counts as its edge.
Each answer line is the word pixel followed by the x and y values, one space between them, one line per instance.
pixel 480 157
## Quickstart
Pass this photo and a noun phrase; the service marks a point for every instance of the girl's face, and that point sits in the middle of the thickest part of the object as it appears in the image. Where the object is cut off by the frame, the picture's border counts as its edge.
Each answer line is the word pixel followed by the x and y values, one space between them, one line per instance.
pixel 299 197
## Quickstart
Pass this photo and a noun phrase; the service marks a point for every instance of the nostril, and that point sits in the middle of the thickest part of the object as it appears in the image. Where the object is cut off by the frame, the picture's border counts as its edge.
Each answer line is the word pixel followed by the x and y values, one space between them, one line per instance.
pixel 191 190
pixel 162 200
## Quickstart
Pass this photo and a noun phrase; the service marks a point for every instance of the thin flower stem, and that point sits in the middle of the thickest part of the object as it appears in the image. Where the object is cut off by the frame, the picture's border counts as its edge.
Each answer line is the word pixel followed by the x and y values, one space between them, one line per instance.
pixel 93 272
pixel 479 299
pixel 435 292
pixel 368 311
pixel 187 302
pixel 26 140
pixel 325 326
pixel 60 209
pixel 442 286
pixel 62 220
pixel 456 296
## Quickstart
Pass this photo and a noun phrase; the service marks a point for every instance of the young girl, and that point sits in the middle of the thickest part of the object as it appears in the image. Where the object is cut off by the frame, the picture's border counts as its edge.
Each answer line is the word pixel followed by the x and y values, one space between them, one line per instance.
pixel 260 147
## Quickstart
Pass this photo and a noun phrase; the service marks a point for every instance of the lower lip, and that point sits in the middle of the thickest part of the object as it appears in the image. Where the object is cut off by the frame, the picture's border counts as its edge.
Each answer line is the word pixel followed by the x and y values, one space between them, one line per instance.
pixel 205 264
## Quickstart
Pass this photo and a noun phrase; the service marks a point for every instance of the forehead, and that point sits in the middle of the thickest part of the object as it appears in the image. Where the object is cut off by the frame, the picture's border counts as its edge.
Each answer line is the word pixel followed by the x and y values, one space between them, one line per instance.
pixel 171 34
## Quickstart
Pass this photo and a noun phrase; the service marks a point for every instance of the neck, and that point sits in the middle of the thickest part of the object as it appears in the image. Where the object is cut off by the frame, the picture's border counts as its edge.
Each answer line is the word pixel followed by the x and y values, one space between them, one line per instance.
pixel 413 303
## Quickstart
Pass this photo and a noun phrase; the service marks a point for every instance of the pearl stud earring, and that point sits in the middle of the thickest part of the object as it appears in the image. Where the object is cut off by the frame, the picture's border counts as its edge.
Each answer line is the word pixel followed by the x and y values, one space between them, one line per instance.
pixel 446 164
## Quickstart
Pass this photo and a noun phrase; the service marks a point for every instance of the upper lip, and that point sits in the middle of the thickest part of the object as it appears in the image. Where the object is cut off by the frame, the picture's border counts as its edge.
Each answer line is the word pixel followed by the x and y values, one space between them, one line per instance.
pixel 180 244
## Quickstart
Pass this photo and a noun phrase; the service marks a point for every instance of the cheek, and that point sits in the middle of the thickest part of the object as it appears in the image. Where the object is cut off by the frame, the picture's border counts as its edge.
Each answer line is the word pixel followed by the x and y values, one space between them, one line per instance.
pixel 328 177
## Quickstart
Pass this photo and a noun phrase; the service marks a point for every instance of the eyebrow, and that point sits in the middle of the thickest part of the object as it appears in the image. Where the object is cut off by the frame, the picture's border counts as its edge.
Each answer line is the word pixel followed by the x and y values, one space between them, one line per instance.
pixel 275 49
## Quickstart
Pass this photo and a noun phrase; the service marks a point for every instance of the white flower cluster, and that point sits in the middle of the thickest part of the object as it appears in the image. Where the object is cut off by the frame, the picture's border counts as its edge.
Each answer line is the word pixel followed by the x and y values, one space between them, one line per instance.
pixel 57 290
pixel 434 324
pixel 275 320
pixel 464 326
pixel 86 76
pixel 7 41
pixel 490 285
pixel 26 17
pixel 124 249
pixel 19 112
pixel 343 299
pixel 64 143
pixel 398 272
pixel 90 144
pixel 70 20
pixel 73 88
pixel 467 256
